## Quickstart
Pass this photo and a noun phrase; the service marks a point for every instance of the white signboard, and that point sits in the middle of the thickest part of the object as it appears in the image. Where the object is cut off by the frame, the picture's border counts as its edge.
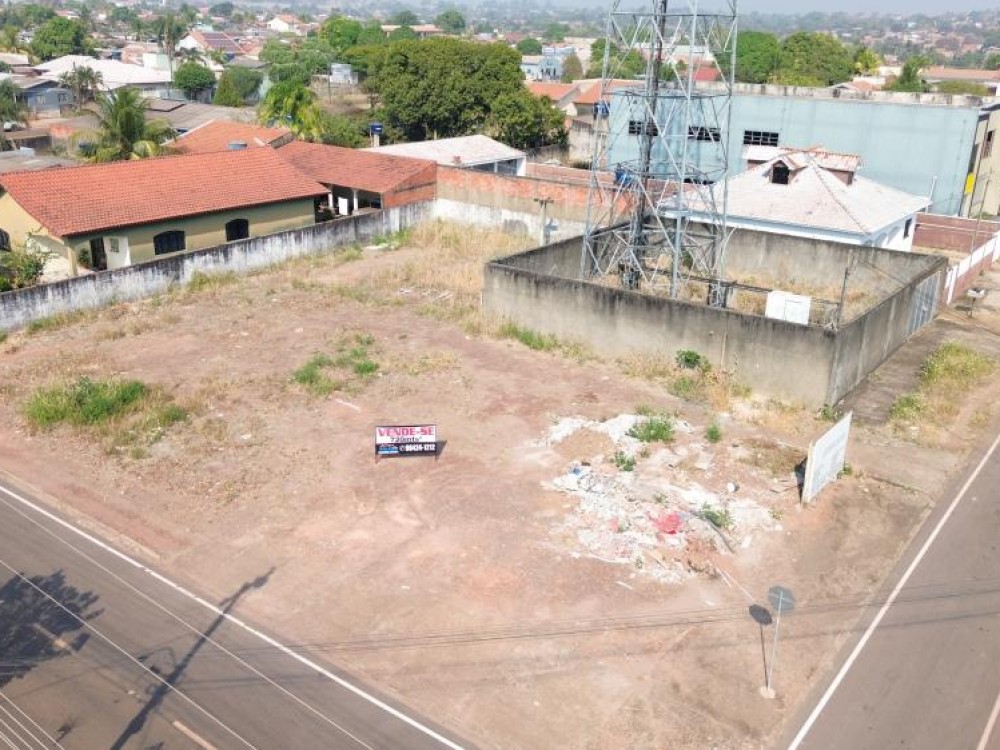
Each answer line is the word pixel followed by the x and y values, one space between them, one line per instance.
pixel 406 440
pixel 787 306
pixel 826 458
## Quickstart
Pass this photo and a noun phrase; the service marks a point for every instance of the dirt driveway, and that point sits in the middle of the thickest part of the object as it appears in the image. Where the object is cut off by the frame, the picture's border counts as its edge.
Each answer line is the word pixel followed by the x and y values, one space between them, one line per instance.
pixel 461 584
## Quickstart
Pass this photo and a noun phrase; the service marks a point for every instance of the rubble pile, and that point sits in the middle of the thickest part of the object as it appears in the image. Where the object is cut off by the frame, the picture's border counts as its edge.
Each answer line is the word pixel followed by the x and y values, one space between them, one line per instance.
pixel 665 508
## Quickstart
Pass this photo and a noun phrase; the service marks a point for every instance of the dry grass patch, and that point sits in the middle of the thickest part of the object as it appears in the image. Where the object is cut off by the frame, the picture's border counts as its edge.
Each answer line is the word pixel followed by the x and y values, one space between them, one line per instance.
pixel 947 377
pixel 127 415
pixel 699 384
pixel 776 459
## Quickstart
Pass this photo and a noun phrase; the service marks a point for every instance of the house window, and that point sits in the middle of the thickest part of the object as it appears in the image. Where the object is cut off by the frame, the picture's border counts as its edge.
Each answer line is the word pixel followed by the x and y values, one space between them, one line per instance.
pixel 168 242
pixel 702 133
pixel 907 228
pixel 640 127
pixel 237 229
pixel 4 240
pixel 759 138
pixel 779 173
pixel 988 145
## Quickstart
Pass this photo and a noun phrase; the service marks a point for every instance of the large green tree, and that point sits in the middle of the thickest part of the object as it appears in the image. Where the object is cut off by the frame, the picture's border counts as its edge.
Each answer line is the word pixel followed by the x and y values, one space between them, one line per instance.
pixel 60 36
pixel 227 93
pixel 451 21
pixel 522 120
pixel 242 86
pixel 123 132
pixel 439 88
pixel 404 18
pixel 572 68
pixel 340 33
pixel 192 78
pixel 443 87
pixel 529 46
pixel 867 61
pixel 758 55
pixel 813 59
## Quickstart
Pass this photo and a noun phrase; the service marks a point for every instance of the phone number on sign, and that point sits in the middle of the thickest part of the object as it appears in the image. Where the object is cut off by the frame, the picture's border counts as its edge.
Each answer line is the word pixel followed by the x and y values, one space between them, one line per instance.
pixel 418 448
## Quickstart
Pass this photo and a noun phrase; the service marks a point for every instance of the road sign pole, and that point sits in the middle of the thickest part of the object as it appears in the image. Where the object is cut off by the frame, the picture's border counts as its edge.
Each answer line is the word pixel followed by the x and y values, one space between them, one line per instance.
pixel 774 645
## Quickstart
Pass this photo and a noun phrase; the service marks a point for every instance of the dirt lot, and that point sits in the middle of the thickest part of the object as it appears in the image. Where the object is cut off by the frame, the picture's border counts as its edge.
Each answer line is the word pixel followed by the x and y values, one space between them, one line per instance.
pixel 477 586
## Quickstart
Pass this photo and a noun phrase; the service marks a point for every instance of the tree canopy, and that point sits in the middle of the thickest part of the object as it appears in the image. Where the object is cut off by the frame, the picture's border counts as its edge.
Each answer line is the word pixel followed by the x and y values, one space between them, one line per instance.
pixel 813 59
pixel 909 77
pixel 224 9
pixel 12 109
pixel 866 62
pixel 192 78
pixel 437 88
pixel 227 93
pixel 122 129
pixel 529 46
pixel 244 81
pixel 292 105
pixel 60 36
pixel 572 68
pixel 451 21
pixel 758 55
pixel 404 18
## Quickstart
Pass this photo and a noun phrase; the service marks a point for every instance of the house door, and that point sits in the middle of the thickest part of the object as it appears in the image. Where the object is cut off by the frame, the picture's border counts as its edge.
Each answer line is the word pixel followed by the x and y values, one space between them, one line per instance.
pixel 98 258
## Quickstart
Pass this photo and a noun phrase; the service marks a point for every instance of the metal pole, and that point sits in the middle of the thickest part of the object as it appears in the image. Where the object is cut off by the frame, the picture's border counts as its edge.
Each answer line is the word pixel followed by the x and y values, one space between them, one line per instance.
pixel 774 645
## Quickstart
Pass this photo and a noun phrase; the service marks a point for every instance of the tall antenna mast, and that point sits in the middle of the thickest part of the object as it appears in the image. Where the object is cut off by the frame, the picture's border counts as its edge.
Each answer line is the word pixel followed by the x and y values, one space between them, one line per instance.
pixel 661 148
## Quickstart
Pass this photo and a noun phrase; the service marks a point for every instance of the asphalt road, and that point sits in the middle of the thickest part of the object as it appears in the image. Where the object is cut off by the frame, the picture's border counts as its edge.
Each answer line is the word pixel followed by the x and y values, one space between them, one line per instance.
pixel 98 652
pixel 924 671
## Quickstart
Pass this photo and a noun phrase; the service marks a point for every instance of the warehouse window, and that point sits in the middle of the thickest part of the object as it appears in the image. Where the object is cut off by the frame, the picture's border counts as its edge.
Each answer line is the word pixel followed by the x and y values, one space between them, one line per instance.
pixel 759 138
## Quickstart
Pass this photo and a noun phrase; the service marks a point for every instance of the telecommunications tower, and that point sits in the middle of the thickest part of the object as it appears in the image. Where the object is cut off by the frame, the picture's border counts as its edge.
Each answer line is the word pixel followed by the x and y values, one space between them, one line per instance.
pixel 656 214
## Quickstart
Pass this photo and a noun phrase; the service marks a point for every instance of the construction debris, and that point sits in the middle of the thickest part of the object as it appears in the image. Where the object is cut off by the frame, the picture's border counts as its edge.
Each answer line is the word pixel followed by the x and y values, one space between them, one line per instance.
pixel 666 508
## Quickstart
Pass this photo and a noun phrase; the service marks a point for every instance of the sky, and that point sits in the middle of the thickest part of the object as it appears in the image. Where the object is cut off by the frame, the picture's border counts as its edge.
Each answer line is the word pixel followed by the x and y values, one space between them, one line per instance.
pixel 853 6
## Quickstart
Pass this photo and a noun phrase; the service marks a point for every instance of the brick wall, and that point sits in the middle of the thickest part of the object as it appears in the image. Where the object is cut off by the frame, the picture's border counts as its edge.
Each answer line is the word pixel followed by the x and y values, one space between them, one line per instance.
pixel 569 200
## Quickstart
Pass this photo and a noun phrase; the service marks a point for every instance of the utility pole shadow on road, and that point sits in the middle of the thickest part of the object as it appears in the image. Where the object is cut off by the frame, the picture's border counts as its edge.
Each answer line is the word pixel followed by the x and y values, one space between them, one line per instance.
pixel 168 682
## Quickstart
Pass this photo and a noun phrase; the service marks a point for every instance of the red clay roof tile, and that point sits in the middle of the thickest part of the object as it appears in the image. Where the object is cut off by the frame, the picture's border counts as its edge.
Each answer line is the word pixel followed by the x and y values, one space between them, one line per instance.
pixel 348 167
pixel 98 197
pixel 216 135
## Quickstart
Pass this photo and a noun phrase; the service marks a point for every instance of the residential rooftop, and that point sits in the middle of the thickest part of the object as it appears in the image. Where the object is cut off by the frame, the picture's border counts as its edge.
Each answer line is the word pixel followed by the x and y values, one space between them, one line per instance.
pixel 815 197
pixel 219 135
pixel 464 151
pixel 99 197
pixel 372 171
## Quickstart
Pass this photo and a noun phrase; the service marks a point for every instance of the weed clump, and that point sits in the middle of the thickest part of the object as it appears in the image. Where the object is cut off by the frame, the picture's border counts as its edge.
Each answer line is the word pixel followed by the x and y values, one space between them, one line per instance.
pixel 83 402
pixel 658 428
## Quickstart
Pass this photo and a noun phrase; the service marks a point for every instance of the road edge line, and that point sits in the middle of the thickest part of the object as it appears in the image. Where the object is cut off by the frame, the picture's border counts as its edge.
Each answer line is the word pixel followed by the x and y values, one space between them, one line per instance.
pixel 287 651
pixel 884 609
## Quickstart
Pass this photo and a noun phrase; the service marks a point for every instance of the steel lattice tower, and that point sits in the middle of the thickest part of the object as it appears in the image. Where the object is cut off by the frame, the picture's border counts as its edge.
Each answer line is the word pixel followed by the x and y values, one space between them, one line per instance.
pixel 661 143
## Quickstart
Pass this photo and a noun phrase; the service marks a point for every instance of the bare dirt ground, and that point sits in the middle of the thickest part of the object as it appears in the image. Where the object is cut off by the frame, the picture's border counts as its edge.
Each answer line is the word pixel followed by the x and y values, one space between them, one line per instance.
pixel 463 584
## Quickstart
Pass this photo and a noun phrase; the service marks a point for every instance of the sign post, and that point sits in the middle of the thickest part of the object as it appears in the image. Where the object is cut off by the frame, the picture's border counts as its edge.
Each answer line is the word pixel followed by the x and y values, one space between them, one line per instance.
pixel 782 600
pixel 406 440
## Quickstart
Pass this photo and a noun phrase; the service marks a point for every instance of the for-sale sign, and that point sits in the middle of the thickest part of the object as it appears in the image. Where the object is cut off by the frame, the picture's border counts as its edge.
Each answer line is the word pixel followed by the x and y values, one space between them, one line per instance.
pixel 406 440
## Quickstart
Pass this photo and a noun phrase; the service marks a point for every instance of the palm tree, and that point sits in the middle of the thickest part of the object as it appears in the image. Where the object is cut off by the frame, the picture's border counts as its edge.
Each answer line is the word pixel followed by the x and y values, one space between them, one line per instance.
pixel 12 109
pixel 290 104
pixel 83 81
pixel 123 131
pixel 10 41
pixel 169 30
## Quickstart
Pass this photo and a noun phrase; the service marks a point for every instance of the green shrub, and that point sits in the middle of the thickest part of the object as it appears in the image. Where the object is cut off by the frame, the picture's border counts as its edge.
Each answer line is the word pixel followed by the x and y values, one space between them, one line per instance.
pixel 623 461
pixel 84 402
pixel 657 429
pixel 713 433
pixel 692 360
pixel 906 408
pixel 311 375
pixel 956 366
pixel 719 518
pixel 531 339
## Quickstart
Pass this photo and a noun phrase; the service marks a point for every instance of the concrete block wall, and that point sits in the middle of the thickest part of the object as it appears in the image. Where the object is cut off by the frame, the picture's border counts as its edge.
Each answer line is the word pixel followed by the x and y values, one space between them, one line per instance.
pixel 19 308
pixel 773 356
pixel 541 289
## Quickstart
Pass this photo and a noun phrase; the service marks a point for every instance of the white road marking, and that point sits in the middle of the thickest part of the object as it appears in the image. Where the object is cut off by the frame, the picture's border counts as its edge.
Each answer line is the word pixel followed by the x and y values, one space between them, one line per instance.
pixel 318 668
pixel 193 736
pixel 155 675
pixel 808 725
pixel 988 731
